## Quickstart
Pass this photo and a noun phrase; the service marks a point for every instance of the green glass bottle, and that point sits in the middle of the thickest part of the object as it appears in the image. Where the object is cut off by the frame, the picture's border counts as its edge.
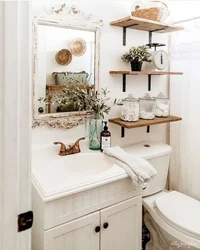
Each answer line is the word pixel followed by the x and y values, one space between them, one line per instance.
pixel 95 129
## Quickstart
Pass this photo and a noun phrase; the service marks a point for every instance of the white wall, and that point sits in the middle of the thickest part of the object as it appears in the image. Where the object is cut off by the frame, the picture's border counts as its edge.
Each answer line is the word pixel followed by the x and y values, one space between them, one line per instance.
pixel 111 49
pixel 1 123
pixel 52 40
pixel 183 9
pixel 185 48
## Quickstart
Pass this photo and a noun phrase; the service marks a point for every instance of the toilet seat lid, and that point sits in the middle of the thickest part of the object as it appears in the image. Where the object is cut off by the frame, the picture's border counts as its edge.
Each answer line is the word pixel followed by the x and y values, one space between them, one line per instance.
pixel 181 211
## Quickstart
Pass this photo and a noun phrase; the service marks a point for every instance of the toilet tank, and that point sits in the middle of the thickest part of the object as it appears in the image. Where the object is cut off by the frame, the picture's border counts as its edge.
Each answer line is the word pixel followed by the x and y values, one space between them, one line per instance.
pixel 158 155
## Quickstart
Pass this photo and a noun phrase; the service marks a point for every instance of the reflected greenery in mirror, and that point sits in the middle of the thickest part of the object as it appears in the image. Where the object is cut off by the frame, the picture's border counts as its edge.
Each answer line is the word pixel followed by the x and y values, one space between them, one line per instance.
pixel 80 98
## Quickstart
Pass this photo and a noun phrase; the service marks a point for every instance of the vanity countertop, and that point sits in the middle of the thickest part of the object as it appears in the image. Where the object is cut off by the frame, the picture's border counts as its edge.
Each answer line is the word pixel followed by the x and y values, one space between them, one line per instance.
pixel 57 176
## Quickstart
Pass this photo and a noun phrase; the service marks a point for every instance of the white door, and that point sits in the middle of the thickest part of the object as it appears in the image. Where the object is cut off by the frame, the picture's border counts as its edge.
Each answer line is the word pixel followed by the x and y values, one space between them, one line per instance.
pixel 121 226
pixel 15 122
pixel 79 234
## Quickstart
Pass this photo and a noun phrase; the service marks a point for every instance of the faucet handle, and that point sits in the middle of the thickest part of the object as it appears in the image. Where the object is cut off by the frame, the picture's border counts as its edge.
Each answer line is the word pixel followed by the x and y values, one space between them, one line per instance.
pixel 76 144
pixel 62 147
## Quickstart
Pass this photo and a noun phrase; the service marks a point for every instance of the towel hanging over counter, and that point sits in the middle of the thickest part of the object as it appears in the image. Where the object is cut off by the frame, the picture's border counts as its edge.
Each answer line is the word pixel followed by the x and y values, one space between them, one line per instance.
pixel 137 168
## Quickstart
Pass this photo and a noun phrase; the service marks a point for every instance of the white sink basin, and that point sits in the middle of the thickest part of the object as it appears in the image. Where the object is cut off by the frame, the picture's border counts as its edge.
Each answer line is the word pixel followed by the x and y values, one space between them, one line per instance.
pixel 58 175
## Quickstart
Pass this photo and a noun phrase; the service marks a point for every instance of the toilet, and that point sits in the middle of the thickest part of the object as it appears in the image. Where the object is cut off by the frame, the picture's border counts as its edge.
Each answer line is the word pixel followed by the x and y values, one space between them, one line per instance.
pixel 172 218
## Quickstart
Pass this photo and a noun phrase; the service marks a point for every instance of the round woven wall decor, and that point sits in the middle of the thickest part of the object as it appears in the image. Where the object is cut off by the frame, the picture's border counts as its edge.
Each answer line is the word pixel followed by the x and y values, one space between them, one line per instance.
pixel 63 57
pixel 78 47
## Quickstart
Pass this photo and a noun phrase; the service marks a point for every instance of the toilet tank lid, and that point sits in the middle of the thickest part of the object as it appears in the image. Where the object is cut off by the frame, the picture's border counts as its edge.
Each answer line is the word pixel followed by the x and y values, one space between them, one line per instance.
pixel 148 150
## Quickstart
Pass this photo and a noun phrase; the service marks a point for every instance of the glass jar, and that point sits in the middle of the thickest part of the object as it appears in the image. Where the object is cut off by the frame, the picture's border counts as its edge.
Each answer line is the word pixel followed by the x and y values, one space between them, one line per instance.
pixel 138 4
pixel 162 106
pixel 95 129
pixel 147 107
pixel 130 109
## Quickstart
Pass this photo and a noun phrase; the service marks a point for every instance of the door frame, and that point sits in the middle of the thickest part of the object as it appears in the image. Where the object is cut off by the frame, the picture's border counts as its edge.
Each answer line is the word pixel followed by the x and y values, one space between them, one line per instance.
pixel 15 122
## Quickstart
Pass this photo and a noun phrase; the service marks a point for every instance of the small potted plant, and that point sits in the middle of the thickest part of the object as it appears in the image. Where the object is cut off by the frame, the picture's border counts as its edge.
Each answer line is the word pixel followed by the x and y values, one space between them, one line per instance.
pixel 136 56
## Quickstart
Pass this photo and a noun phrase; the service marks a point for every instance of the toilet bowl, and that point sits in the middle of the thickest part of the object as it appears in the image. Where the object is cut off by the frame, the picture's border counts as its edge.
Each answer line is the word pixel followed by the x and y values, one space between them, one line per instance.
pixel 176 217
pixel 172 218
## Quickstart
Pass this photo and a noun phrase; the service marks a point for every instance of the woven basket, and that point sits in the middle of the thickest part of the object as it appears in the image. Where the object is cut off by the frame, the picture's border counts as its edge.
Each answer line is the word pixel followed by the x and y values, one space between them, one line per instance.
pixel 154 14
pixel 157 13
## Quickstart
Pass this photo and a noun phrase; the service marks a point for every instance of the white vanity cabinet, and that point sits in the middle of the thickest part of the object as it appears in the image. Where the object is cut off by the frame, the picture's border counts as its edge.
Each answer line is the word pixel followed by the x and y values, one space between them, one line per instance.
pixel 121 226
pixel 91 206
pixel 71 222
pixel 115 227
pixel 76 235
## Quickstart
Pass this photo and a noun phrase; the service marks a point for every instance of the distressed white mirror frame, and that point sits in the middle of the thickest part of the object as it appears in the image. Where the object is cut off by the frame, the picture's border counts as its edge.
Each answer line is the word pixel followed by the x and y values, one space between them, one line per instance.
pixel 67 17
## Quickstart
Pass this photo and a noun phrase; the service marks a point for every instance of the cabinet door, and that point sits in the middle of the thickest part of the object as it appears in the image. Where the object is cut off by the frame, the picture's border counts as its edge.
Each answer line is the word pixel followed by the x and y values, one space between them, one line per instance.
pixel 121 226
pixel 76 235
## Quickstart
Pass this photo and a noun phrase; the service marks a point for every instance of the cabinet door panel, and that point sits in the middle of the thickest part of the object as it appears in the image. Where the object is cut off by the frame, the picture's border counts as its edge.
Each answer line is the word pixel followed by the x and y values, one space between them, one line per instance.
pixel 76 235
pixel 124 226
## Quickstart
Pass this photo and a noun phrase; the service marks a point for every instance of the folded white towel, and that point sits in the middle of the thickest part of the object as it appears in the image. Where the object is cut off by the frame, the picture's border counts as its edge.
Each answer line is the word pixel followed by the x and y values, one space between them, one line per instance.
pixel 137 168
pixel 129 171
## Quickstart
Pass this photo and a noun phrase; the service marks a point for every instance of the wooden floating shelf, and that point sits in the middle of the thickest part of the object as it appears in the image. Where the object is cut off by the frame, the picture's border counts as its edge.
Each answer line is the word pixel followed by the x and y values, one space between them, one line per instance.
pixel 61 87
pixel 139 73
pixel 144 123
pixel 54 87
pixel 144 73
pixel 145 25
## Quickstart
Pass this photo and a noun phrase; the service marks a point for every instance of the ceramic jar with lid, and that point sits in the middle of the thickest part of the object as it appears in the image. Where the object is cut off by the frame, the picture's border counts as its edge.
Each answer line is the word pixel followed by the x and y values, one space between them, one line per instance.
pixel 162 106
pixel 130 109
pixel 147 107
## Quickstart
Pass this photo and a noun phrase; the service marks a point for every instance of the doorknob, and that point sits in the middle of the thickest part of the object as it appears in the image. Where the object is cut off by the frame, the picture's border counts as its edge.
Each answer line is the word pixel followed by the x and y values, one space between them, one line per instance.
pixel 97 229
pixel 105 225
pixel 25 221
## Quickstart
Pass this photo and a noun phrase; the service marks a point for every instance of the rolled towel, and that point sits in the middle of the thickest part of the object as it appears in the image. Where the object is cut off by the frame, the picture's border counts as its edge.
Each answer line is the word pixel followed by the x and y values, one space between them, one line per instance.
pixel 138 167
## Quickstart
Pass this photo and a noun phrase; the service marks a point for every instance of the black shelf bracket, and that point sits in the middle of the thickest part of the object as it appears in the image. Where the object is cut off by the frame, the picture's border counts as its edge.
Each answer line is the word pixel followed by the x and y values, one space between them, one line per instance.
pixel 124 32
pixel 150 45
pixel 149 82
pixel 150 38
pixel 124 36
pixel 122 132
pixel 124 82
pixel 150 34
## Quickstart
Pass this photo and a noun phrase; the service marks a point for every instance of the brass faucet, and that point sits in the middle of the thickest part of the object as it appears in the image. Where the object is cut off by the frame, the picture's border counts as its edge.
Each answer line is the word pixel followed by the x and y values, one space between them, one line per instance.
pixel 71 150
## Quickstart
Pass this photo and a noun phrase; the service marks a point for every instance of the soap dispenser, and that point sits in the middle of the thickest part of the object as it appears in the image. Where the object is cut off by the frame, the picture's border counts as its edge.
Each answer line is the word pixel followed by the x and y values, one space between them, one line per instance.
pixel 105 138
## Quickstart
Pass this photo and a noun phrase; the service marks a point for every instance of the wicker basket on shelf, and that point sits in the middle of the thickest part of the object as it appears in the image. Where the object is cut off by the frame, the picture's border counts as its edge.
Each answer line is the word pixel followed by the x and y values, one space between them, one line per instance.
pixel 154 13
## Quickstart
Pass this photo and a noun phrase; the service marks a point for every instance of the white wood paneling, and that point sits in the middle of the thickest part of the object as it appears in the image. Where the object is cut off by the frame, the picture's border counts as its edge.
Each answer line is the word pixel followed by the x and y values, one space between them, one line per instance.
pixel 38 228
pixel 76 235
pixel 124 230
pixel 60 212
pixel 70 207
pixel 15 126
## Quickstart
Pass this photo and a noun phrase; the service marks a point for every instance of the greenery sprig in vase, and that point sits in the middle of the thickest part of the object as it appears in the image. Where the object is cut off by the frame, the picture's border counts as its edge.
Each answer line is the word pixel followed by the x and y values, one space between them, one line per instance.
pixel 136 56
pixel 100 104
pixel 79 98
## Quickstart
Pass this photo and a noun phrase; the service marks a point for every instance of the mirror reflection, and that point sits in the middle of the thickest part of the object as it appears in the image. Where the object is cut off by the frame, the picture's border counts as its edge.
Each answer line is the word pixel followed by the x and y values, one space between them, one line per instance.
pixel 65 58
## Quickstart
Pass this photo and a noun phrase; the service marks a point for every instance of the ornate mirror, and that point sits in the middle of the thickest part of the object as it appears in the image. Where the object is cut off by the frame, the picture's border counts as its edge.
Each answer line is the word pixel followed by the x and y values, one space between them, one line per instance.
pixel 65 55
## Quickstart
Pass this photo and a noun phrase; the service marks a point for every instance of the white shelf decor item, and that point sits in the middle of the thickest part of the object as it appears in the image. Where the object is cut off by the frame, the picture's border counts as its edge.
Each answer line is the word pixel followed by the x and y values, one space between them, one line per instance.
pixel 130 109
